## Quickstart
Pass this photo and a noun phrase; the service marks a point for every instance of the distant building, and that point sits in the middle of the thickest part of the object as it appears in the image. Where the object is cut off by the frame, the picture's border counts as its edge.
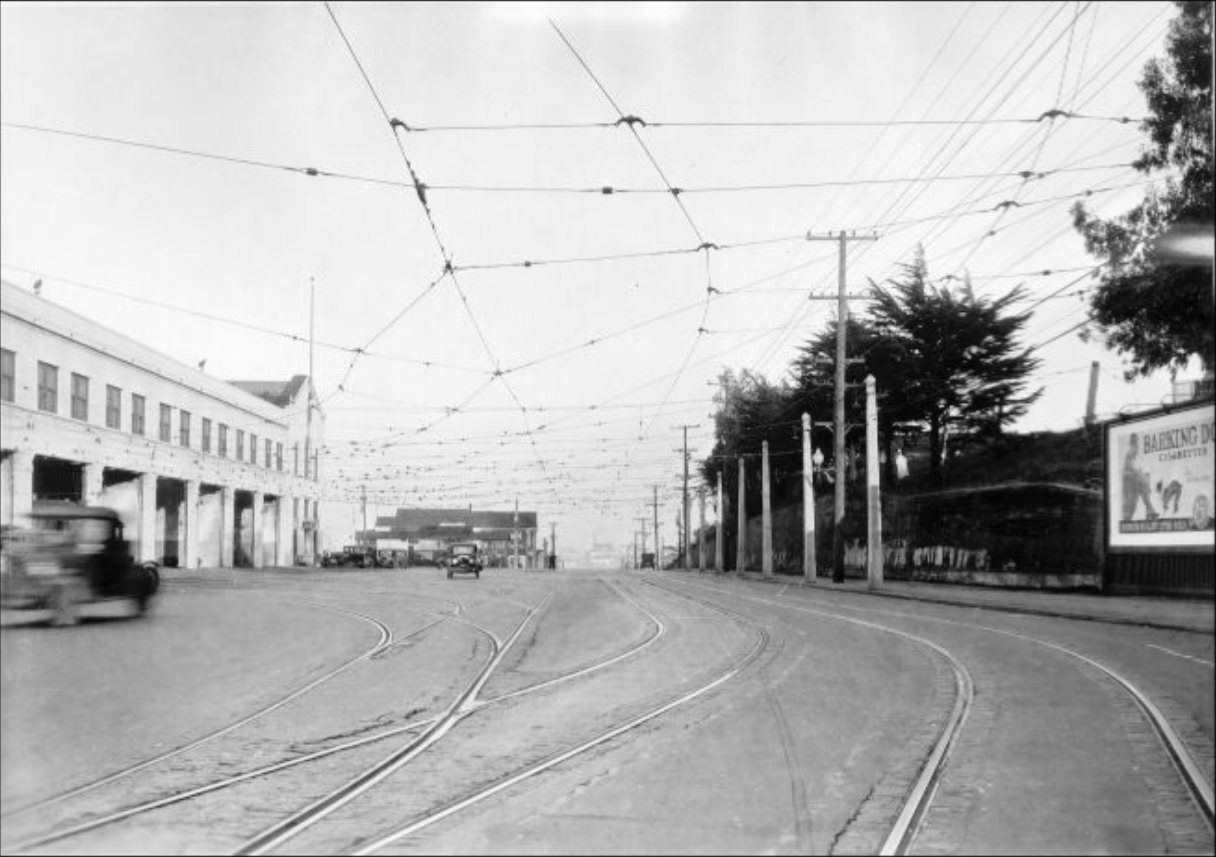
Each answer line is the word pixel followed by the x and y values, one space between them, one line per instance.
pixel 431 531
pixel 202 471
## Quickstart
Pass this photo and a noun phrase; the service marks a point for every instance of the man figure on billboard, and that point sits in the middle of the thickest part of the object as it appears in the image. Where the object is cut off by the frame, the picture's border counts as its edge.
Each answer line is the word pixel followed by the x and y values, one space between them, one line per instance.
pixel 1136 482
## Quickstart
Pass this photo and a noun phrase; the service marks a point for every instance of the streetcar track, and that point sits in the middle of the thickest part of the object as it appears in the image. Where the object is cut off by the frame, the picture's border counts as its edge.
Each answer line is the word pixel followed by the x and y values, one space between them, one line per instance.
pixel 474 705
pixel 920 796
pixel 386 637
pixel 1189 771
pixel 301 820
pixel 465 801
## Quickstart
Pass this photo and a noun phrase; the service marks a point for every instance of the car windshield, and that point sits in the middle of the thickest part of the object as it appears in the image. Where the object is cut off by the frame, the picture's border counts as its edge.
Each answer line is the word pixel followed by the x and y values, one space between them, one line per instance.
pixel 464 550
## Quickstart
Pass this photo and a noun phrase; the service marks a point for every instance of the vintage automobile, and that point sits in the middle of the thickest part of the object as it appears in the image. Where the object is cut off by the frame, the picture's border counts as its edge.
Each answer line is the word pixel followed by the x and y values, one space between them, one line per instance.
pixel 465 558
pixel 71 557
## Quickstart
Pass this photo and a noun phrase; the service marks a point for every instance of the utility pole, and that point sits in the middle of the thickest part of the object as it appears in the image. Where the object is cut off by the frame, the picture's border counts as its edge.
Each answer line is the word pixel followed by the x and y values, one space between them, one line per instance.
pixel 720 532
pixel 701 532
pixel 553 543
pixel 842 323
pixel 658 550
pixel 642 520
pixel 1091 402
pixel 808 504
pixel 874 554
pixel 766 515
pixel 311 538
pixel 741 533
pixel 684 542
pixel 515 533
pixel 364 499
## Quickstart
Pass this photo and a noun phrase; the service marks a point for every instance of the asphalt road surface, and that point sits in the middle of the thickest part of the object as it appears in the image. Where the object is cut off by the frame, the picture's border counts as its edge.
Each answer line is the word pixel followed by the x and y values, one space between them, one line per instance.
pixel 591 712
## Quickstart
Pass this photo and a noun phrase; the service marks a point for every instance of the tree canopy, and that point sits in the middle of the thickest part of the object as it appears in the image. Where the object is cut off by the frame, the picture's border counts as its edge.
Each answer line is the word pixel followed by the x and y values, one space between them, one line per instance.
pixel 1154 309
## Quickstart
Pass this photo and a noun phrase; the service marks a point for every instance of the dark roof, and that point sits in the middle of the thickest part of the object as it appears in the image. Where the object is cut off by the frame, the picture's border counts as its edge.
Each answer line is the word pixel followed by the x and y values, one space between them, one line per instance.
pixel 72 510
pixel 279 393
pixel 453 520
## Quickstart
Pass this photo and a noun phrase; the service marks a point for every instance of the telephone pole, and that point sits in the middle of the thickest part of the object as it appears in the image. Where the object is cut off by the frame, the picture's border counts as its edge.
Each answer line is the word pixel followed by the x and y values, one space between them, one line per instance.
pixel 642 520
pixel 684 541
pixel 842 323
pixel 658 550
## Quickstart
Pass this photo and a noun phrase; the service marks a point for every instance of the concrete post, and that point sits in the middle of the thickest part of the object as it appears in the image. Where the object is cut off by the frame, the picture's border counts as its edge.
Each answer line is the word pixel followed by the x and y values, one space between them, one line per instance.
pixel 90 484
pixel 873 498
pixel 189 519
pixel 720 531
pixel 147 516
pixel 766 512
pixel 809 571
pixel 22 500
pixel 227 526
pixel 701 532
pixel 740 548
pixel 256 523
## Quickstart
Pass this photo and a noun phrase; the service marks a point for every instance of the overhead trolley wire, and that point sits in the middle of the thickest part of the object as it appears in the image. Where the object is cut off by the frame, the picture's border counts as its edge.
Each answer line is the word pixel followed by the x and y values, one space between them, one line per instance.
pixel 761 124
pixel 420 190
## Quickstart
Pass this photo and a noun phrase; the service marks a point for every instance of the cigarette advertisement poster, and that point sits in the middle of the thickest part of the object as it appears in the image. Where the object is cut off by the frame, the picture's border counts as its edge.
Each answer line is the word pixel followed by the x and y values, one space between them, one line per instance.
pixel 1160 475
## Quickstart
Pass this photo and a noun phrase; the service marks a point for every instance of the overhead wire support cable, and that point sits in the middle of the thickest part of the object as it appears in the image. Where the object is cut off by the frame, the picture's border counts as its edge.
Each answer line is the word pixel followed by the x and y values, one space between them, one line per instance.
pixel 420 190
pixel 762 124
pixel 631 122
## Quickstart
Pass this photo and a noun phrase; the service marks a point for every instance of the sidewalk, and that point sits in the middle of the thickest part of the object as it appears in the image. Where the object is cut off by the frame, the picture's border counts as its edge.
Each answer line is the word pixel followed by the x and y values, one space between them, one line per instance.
pixel 1178 614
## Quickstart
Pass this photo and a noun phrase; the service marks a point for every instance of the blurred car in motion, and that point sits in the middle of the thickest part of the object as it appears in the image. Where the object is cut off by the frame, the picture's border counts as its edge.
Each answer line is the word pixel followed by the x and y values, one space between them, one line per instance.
pixel 464 558
pixel 71 557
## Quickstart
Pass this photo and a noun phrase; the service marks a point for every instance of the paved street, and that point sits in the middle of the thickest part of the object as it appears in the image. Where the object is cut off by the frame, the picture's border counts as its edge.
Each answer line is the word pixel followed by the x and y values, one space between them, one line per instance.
pixel 389 711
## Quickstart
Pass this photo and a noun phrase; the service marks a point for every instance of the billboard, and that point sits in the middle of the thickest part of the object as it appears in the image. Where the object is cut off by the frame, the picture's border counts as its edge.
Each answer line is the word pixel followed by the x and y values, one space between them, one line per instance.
pixel 1160 476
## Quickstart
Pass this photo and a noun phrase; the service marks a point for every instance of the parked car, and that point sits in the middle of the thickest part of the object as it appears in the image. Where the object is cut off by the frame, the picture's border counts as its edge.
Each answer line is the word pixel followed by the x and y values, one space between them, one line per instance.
pixel 71 557
pixel 464 558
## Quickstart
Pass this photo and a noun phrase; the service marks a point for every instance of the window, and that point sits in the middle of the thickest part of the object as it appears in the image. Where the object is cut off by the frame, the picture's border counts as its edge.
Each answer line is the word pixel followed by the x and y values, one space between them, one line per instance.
pixel 137 414
pixel 113 407
pixel 183 434
pixel 48 387
pixel 8 374
pixel 295 466
pixel 278 456
pixel 80 397
pixel 268 450
pixel 166 423
pixel 240 444
pixel 223 441
pixel 206 445
pixel 253 448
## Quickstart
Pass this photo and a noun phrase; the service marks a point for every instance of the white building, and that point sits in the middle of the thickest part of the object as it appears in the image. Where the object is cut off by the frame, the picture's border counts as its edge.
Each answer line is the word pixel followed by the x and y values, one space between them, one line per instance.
pixel 203 472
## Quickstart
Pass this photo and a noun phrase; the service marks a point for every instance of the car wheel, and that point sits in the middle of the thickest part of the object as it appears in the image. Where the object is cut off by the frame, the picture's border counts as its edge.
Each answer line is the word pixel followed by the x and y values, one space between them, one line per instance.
pixel 153 575
pixel 63 606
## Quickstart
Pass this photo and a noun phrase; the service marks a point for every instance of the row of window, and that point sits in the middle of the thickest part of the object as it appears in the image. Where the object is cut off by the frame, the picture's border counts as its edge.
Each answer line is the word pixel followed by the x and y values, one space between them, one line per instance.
pixel 48 400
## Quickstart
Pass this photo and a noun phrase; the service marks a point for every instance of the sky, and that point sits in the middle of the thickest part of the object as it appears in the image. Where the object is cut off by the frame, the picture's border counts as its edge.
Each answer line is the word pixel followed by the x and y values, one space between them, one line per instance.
pixel 615 204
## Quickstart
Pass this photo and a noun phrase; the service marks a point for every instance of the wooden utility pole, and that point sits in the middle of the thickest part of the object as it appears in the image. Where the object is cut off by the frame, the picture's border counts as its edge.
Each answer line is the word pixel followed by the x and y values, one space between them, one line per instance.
pixel 766 515
pixel 1091 402
pixel 685 540
pixel 720 530
pixel 553 543
pixel 701 531
pixel 842 323
pixel 741 534
pixel 658 549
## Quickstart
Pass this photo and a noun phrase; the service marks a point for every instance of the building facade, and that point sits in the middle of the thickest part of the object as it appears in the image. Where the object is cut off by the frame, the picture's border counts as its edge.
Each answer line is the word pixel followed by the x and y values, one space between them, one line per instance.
pixel 203 472
pixel 501 535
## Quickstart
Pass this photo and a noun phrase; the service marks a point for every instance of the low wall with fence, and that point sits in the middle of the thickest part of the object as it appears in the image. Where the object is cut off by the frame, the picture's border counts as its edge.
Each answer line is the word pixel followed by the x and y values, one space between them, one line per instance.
pixel 1030 535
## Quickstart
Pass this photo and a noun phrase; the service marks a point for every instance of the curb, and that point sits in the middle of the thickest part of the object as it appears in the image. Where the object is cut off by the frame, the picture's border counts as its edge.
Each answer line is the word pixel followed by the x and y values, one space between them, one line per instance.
pixel 1003 608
